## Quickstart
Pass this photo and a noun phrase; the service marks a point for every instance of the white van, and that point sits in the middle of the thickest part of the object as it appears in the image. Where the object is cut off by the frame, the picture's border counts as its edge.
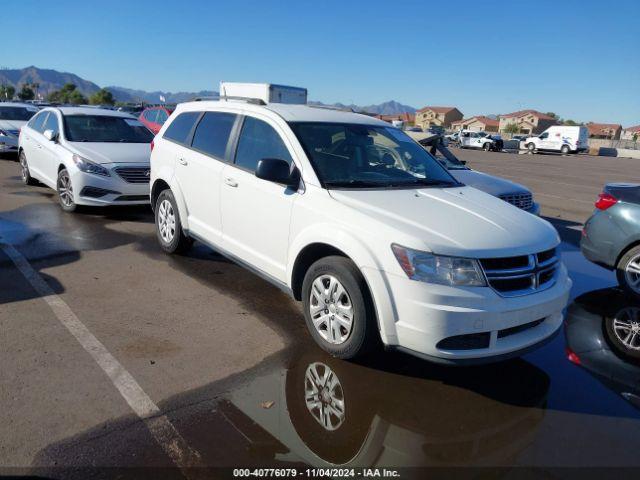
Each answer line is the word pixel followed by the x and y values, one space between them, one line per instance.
pixel 560 138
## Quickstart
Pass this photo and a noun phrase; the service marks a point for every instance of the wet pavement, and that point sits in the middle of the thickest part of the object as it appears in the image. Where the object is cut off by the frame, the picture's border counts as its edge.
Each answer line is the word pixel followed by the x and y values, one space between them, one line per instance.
pixel 226 357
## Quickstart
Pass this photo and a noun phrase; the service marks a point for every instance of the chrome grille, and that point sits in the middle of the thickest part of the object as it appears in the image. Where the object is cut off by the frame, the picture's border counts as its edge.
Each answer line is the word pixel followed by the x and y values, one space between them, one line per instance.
pixel 520 200
pixel 522 275
pixel 134 174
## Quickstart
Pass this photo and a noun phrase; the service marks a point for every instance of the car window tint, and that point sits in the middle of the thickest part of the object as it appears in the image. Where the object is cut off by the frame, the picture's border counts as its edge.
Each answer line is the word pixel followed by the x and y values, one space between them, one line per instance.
pixel 151 115
pixel 259 140
pixel 37 122
pixel 212 133
pixel 51 124
pixel 162 117
pixel 180 128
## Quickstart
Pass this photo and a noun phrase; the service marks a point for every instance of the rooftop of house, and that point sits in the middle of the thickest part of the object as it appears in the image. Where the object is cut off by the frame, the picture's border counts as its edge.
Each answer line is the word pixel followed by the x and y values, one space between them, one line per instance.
pixel 479 118
pixel 598 128
pixel 521 113
pixel 437 109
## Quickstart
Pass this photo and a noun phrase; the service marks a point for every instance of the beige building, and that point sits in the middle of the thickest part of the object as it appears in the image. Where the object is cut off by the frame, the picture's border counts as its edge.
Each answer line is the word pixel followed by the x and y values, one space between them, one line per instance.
pixel 609 131
pixel 528 121
pixel 629 132
pixel 479 123
pixel 437 116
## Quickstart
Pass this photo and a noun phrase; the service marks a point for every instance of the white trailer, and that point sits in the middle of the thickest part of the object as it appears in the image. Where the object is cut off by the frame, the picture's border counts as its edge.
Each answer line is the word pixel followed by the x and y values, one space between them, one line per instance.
pixel 267 92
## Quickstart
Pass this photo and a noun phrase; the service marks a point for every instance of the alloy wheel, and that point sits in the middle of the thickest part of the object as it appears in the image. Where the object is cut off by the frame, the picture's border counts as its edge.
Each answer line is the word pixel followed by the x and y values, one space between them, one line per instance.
pixel 331 309
pixel 626 326
pixel 24 168
pixel 166 221
pixel 632 274
pixel 65 189
pixel 324 396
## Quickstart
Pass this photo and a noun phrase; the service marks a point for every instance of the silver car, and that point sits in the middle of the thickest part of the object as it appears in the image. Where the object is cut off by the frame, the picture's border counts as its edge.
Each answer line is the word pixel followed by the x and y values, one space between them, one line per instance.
pixel 13 116
pixel 514 193
pixel 611 237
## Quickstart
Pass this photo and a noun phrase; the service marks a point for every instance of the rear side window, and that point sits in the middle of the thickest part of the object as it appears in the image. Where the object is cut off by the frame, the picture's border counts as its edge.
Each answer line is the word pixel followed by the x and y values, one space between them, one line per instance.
pixel 259 140
pixel 212 133
pixel 37 122
pixel 181 126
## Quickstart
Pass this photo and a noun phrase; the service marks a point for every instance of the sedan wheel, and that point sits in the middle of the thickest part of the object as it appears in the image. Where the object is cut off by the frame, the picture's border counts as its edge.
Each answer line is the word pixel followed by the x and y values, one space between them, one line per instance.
pixel 24 170
pixel 626 327
pixel 632 274
pixel 65 191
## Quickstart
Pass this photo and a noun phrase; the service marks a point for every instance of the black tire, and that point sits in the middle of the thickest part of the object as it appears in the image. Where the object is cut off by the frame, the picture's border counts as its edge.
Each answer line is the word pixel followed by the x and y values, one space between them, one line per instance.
pixel 565 150
pixel 64 188
pixel 531 147
pixel 27 179
pixel 177 242
pixel 363 336
pixel 631 255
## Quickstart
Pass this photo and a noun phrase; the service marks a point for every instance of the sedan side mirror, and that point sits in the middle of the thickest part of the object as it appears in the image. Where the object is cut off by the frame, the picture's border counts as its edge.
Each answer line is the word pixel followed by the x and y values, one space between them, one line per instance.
pixel 50 135
pixel 278 171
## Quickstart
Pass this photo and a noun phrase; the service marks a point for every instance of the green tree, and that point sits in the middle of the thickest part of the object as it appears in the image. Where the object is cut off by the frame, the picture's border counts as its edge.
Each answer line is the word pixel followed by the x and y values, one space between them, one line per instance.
pixel 553 115
pixel 102 97
pixel 570 122
pixel 67 94
pixel 7 92
pixel 512 128
pixel 26 93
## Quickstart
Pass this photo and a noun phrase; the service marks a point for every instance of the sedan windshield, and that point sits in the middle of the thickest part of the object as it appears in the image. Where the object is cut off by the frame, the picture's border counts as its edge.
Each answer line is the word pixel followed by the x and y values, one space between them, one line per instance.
pixel 20 114
pixel 366 156
pixel 104 128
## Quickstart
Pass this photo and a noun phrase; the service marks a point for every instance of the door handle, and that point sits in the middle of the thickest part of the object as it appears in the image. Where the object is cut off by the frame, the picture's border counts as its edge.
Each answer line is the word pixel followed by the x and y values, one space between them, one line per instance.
pixel 231 182
pixel 183 161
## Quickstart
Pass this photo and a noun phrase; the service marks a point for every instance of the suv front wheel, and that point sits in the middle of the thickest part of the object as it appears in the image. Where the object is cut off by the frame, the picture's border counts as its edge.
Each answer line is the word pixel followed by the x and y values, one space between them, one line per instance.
pixel 168 226
pixel 338 308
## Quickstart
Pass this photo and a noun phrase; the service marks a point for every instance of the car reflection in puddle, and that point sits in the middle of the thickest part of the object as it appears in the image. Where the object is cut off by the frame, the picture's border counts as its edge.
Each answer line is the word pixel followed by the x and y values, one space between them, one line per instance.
pixel 330 412
pixel 603 336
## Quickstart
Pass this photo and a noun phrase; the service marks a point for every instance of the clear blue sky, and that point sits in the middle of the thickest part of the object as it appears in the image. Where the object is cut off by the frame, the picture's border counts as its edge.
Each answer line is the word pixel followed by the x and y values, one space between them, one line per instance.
pixel 576 58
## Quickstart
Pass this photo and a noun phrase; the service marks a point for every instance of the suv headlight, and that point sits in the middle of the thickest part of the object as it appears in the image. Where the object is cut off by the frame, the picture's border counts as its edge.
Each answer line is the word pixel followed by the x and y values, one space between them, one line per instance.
pixel 88 166
pixel 430 268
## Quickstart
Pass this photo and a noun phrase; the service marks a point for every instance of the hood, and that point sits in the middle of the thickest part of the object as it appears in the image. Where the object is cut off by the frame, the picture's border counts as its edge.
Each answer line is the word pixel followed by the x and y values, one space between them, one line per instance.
pixel 495 186
pixel 12 125
pixel 459 221
pixel 112 152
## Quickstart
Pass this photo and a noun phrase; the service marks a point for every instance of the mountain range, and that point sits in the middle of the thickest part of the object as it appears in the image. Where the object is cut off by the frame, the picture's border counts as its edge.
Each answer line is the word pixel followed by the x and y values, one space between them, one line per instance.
pixel 49 80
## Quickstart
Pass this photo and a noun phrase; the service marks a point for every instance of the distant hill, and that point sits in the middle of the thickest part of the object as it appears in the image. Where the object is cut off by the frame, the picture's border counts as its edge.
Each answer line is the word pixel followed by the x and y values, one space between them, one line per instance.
pixel 386 108
pixel 122 94
pixel 48 80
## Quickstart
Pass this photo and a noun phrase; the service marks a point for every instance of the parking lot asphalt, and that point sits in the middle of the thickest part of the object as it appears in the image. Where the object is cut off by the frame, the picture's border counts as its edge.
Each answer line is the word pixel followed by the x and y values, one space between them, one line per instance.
pixel 223 356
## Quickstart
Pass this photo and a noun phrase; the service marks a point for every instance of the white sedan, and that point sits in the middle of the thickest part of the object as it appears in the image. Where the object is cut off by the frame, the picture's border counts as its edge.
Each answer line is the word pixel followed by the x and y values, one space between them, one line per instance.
pixel 13 116
pixel 89 156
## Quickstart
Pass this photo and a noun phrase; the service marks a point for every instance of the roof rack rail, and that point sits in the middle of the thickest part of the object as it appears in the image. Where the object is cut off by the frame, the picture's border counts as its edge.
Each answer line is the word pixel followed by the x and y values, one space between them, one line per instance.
pixel 332 107
pixel 253 101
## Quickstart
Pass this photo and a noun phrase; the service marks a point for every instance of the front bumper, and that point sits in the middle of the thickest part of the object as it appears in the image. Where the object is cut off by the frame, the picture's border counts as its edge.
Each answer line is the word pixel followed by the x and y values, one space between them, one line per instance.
pixel 97 190
pixel 428 314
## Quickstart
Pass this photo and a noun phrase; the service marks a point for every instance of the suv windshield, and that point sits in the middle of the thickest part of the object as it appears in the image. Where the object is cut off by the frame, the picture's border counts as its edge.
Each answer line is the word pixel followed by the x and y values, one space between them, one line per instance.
pixel 104 128
pixel 367 156
pixel 21 114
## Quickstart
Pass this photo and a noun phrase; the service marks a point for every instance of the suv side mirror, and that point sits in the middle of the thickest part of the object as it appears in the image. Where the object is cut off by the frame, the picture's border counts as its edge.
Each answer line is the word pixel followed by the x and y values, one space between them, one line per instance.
pixel 278 171
pixel 50 135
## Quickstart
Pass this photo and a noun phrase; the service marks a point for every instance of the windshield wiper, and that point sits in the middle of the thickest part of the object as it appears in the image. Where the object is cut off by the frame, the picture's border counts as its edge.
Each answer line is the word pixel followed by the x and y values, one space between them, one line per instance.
pixel 356 183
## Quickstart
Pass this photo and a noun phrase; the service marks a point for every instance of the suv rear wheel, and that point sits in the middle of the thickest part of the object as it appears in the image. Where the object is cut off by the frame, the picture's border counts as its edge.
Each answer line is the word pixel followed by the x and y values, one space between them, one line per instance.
pixel 628 271
pixel 338 308
pixel 168 226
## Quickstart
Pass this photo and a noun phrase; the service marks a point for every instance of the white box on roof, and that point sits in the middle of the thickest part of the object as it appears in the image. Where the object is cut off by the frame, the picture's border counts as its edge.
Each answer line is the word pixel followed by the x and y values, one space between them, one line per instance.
pixel 267 92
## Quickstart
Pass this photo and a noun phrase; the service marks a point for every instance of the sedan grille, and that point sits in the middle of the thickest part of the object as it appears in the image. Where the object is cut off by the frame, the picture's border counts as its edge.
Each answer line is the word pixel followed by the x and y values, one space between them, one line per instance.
pixel 134 174
pixel 522 275
pixel 520 200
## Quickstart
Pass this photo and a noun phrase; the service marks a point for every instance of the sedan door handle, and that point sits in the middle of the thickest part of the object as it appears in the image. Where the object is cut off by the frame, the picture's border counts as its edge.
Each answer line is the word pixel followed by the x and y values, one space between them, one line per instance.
pixel 231 182
pixel 183 161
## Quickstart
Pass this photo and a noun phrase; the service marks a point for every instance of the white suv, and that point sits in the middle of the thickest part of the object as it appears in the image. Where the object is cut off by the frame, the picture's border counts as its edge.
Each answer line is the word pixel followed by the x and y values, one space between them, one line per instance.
pixel 357 220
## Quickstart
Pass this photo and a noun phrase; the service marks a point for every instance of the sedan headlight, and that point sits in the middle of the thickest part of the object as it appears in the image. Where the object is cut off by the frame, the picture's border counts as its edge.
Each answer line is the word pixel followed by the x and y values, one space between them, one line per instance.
pixel 88 166
pixel 430 268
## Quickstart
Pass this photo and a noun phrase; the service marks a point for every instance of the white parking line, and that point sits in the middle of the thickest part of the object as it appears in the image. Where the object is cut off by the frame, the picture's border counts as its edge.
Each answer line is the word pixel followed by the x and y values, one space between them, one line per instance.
pixel 160 427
